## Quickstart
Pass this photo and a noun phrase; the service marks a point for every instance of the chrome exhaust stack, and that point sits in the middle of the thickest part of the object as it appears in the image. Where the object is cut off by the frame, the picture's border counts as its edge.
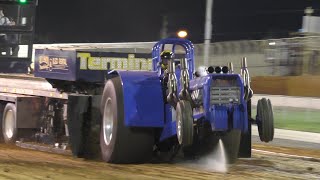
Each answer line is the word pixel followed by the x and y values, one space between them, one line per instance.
pixel 172 84
pixel 184 79
pixel 230 67
pixel 246 79
pixel 184 82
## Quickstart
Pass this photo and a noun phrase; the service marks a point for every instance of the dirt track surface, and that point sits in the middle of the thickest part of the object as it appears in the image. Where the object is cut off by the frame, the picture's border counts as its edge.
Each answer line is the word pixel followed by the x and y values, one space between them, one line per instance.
pixel 17 163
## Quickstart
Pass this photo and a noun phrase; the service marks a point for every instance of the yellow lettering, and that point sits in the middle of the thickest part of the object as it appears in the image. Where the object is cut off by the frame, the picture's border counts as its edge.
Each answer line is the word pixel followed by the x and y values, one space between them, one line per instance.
pixel 104 63
pixel 112 63
pixel 101 63
pixel 94 63
pixel 83 60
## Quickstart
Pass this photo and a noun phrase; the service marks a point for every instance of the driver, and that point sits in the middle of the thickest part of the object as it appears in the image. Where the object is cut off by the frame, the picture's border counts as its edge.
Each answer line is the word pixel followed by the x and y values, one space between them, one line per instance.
pixel 165 57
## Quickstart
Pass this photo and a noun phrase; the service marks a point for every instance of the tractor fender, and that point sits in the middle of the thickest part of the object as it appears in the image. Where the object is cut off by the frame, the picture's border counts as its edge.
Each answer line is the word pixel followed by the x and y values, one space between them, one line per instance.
pixel 143 98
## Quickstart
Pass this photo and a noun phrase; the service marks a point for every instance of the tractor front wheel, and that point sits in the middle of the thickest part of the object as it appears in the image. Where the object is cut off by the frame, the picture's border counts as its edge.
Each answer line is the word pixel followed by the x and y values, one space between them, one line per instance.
pixel 265 120
pixel 184 123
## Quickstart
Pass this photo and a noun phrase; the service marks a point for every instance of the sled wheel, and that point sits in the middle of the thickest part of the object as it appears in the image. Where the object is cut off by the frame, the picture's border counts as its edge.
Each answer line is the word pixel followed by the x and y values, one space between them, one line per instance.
pixel 184 123
pixel 265 120
pixel 119 143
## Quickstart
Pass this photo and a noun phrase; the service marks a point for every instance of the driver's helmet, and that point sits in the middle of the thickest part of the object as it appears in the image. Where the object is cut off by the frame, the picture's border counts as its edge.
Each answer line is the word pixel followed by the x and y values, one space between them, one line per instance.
pixel 165 56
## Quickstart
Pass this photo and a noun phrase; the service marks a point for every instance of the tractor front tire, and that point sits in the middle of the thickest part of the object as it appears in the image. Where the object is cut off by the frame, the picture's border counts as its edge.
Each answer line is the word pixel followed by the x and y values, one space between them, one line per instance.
pixel 265 120
pixel 184 123
pixel 119 143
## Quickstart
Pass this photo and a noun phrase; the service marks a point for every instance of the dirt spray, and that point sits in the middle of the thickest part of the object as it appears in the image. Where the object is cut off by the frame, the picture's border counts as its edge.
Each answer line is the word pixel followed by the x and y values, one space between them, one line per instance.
pixel 217 160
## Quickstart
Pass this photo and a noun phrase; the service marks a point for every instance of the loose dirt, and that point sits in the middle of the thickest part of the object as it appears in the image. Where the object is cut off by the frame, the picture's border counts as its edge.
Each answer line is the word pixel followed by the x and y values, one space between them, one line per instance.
pixel 18 163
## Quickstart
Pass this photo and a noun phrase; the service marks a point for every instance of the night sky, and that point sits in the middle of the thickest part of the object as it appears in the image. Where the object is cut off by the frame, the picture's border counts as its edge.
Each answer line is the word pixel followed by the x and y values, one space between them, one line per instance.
pixel 61 21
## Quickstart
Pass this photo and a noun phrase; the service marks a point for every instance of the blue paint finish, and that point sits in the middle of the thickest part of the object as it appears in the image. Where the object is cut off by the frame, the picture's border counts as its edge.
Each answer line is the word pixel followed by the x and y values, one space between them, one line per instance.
pixel 237 118
pixel 219 118
pixel 169 130
pixel 143 100
pixel 198 116
pixel 170 113
pixel 206 98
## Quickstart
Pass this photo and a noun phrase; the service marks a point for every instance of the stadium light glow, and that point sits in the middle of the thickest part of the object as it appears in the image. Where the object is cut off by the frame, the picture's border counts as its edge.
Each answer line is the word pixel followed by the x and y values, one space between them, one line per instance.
pixel 182 34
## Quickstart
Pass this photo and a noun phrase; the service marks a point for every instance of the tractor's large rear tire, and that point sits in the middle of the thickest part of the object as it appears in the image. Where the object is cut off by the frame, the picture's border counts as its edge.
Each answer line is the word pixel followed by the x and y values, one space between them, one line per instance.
pixel 118 143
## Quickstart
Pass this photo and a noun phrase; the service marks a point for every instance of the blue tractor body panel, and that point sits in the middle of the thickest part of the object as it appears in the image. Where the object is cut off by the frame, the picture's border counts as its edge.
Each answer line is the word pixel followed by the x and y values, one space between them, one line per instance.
pixel 169 128
pixel 143 99
pixel 144 104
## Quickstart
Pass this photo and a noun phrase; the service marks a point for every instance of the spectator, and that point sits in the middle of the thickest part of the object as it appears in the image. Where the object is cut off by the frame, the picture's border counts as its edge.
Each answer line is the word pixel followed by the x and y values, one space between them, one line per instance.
pixel 5 21
pixel 8 38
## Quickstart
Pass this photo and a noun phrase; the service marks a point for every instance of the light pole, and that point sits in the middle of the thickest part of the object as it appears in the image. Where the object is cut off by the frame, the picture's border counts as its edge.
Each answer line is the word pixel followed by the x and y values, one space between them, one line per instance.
pixel 207 32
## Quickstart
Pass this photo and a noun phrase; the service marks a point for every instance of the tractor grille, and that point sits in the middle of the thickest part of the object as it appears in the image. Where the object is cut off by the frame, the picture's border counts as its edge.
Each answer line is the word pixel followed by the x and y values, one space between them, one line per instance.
pixel 224 95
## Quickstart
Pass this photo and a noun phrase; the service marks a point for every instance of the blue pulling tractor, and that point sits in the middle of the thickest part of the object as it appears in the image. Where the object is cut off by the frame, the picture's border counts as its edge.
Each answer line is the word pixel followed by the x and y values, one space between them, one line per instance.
pixel 173 108
pixel 126 107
